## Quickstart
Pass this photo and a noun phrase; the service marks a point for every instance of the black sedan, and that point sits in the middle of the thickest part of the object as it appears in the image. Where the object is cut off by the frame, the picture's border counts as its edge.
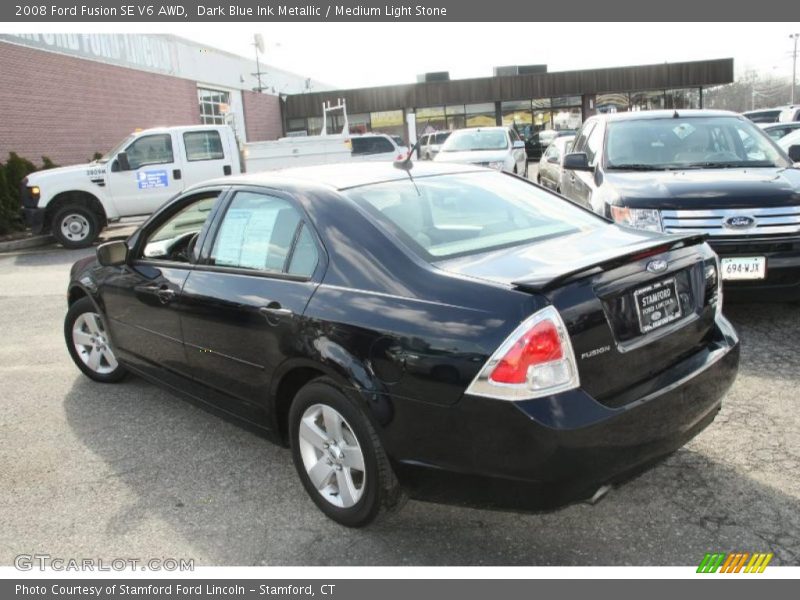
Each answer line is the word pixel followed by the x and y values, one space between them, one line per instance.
pixel 449 333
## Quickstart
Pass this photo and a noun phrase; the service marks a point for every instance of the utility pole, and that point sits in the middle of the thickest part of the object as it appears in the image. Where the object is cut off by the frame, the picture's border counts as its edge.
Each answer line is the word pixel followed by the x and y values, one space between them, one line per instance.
pixel 794 37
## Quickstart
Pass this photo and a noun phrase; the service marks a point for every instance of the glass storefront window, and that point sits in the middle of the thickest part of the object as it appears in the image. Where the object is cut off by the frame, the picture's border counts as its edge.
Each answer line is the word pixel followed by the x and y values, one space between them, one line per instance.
pixel 480 115
pixel 358 123
pixel 566 101
pixel 567 118
pixel 388 121
pixel 296 125
pixel 612 102
pixel 431 119
pixel 456 109
pixel 683 98
pixel 647 100
pixel 314 125
pixel 541 103
pixel 517 114
pixel 473 109
pixel 542 119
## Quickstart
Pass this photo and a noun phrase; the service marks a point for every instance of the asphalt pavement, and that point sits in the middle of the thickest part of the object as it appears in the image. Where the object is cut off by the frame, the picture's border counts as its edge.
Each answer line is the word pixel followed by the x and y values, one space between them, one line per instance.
pixel 130 470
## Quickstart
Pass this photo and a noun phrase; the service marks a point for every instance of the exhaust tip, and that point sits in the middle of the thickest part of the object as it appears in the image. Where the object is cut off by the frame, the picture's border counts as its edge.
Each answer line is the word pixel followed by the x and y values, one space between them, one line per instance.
pixel 601 493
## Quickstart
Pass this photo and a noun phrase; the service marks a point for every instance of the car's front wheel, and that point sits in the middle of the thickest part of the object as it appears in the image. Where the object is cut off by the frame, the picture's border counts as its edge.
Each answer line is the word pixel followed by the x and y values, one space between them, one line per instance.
pixel 87 341
pixel 339 457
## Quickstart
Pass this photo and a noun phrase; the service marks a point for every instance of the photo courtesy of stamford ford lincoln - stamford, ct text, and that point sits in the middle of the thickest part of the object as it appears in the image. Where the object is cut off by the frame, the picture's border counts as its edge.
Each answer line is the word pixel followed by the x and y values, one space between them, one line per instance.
pixel 353 299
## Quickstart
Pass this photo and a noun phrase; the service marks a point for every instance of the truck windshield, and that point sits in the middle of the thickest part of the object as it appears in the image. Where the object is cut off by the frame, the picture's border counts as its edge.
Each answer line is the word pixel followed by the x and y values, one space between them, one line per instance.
pixel 117 149
pixel 691 142
pixel 470 213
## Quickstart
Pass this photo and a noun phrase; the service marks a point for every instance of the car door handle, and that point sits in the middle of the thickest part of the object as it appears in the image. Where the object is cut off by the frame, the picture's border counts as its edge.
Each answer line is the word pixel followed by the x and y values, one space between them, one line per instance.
pixel 275 310
pixel 165 295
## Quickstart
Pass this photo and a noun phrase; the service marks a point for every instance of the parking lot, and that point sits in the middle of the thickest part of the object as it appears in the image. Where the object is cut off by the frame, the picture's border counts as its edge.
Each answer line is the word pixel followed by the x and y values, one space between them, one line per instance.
pixel 129 470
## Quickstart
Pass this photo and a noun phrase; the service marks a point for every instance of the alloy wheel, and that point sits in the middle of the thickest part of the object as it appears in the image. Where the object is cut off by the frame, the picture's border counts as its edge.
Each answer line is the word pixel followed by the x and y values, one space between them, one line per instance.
pixel 91 343
pixel 332 456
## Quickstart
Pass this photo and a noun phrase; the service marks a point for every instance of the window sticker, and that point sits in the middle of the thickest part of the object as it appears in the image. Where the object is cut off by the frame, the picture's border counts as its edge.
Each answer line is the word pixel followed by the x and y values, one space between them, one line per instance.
pixel 683 130
pixel 152 179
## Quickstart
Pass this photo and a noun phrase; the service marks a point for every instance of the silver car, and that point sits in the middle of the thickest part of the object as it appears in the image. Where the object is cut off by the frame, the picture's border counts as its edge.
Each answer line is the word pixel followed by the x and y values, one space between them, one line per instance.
pixel 550 164
pixel 494 147
pixel 431 143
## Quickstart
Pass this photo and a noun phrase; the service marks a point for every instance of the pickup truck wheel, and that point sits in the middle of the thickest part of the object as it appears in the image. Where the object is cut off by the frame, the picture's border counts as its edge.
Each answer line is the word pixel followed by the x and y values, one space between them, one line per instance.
pixel 75 226
pixel 87 341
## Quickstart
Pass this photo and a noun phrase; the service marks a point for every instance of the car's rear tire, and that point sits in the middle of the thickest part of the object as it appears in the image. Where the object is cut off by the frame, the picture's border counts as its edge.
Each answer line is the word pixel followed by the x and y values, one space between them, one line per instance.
pixel 87 341
pixel 339 457
pixel 75 226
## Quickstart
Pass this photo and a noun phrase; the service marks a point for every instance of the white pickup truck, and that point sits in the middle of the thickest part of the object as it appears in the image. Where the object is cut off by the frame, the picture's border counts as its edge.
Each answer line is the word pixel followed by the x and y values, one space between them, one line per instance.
pixel 150 166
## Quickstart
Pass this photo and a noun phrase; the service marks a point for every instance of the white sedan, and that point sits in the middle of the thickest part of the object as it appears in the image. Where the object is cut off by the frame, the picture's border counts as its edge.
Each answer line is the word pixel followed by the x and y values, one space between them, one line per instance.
pixel 494 147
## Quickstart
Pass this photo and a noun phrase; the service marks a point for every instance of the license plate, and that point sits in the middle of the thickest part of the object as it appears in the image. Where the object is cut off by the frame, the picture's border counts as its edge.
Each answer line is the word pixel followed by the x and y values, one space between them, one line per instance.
pixel 746 267
pixel 657 305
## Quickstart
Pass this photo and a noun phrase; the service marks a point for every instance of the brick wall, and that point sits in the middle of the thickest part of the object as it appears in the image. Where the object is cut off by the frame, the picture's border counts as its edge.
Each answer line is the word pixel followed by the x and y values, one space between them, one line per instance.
pixel 68 109
pixel 262 116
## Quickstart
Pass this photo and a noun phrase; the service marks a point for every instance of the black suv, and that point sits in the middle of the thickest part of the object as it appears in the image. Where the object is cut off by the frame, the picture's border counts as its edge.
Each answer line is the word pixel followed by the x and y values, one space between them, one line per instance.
pixel 697 171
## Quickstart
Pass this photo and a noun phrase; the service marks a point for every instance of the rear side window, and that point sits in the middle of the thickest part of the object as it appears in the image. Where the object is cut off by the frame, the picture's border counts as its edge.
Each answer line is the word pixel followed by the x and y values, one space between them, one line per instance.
pixel 371 145
pixel 448 216
pixel 259 232
pixel 203 145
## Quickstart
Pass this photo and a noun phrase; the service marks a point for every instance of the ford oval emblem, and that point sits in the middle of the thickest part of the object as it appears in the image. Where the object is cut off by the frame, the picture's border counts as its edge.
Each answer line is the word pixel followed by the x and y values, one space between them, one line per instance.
pixel 739 222
pixel 657 266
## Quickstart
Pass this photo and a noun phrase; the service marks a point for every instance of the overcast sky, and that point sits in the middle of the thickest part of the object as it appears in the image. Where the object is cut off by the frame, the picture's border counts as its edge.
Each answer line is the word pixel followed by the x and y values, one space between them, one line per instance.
pixel 366 54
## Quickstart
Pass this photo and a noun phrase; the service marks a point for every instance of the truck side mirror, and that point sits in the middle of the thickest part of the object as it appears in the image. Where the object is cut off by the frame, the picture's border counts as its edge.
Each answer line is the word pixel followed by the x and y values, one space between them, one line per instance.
pixel 794 153
pixel 112 254
pixel 577 161
pixel 122 159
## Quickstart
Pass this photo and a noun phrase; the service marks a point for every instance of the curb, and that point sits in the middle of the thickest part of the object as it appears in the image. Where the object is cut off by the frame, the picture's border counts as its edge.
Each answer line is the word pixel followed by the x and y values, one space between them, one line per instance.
pixel 31 242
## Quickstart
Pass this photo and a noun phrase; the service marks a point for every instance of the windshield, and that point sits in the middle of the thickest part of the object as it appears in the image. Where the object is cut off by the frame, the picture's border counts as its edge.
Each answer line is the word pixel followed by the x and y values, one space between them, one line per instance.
pixel 693 142
pixel 471 140
pixel 457 215
pixel 117 149
pixel 441 138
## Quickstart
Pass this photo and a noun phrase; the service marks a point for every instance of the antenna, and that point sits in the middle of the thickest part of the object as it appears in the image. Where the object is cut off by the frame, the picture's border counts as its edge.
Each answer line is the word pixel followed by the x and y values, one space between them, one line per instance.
pixel 258 43
pixel 407 164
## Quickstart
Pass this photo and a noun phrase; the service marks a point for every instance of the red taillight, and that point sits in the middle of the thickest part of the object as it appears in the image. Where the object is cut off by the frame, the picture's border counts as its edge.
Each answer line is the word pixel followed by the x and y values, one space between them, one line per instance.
pixel 535 360
pixel 540 344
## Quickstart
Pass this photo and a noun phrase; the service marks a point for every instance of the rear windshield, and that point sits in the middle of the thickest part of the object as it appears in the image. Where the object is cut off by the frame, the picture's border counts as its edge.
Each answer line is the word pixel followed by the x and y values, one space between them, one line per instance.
pixel 694 142
pixel 441 138
pixel 458 215
pixel 476 139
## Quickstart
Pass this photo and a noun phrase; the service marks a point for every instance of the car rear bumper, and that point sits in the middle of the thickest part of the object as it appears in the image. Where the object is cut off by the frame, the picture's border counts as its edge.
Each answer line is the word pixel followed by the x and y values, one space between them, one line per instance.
pixel 782 283
pixel 544 453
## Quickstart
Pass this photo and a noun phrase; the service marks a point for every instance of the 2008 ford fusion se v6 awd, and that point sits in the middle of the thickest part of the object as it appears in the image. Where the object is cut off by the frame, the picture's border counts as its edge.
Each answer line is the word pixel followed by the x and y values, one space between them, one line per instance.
pixel 443 332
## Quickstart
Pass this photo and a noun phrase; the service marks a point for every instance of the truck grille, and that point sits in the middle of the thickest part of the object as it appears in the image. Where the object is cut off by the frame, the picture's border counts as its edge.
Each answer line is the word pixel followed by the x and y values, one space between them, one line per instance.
pixel 777 220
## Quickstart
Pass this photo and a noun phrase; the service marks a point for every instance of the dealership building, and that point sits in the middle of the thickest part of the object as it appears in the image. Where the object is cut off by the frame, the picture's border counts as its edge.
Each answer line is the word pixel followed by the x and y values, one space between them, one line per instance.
pixel 69 96
pixel 525 97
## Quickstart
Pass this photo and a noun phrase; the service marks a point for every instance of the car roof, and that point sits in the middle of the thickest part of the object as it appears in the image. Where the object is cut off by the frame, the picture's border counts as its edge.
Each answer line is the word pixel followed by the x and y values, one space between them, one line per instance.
pixel 339 176
pixel 647 115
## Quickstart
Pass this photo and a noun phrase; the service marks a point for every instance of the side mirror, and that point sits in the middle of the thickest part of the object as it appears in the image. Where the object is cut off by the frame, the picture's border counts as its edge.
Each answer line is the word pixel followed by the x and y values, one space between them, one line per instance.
pixel 552 159
pixel 577 161
pixel 794 153
pixel 519 144
pixel 112 254
pixel 122 159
